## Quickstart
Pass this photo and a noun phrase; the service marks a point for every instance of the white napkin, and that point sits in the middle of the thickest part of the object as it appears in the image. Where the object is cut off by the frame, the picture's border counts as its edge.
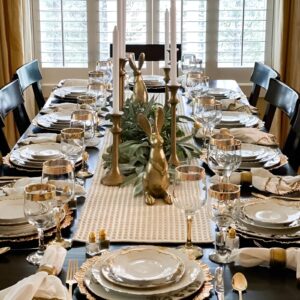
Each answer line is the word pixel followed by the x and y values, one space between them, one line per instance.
pixel 73 82
pixel 264 180
pixel 40 138
pixel 38 285
pixel 250 257
pixel 54 256
pixel 18 189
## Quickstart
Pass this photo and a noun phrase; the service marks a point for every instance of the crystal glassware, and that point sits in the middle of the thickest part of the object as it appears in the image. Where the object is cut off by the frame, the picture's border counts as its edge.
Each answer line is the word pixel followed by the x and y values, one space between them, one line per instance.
pixel 189 195
pixel 97 87
pixel 224 209
pixel 39 204
pixel 60 173
pixel 194 84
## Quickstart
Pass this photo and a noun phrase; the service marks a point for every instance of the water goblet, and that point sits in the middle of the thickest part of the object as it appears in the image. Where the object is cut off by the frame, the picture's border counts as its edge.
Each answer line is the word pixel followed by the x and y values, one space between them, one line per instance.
pixel 60 173
pixel 194 84
pixel 97 87
pixel 224 209
pixel 189 195
pixel 39 204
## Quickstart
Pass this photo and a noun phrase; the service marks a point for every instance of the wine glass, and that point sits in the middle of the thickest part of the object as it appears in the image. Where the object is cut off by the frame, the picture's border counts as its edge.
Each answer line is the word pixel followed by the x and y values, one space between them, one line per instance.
pixel 189 195
pixel 224 209
pixel 97 87
pixel 188 64
pixel 39 204
pixel 60 173
pixel 194 84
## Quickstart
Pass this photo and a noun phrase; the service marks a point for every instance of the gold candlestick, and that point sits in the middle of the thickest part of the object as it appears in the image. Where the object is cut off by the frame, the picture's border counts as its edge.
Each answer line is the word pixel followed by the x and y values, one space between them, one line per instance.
pixel 173 160
pixel 114 176
pixel 122 74
pixel 166 80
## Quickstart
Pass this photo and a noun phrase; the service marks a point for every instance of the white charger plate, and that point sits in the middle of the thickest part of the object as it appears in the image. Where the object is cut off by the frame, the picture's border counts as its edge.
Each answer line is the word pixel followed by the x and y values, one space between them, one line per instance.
pixel 270 213
pixel 192 273
pixel 143 267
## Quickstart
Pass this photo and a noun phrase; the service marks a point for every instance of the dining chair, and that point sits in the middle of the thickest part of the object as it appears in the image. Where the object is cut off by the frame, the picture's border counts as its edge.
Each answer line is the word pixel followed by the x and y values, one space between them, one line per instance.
pixel 260 77
pixel 11 99
pixel 4 147
pixel 291 147
pixel 280 96
pixel 30 75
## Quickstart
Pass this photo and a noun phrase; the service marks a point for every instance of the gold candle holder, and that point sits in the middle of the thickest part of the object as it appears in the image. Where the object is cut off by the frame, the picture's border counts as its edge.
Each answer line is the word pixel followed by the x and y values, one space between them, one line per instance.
pixel 173 160
pixel 122 74
pixel 166 80
pixel 114 176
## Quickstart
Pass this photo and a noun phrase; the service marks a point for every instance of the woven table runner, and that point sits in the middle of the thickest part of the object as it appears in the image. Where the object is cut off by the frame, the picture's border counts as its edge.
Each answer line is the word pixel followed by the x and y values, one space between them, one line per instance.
pixel 129 219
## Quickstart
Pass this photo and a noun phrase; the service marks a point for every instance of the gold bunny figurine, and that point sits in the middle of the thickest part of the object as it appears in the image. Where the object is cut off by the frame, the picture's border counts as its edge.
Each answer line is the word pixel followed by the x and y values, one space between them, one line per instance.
pixel 156 179
pixel 140 93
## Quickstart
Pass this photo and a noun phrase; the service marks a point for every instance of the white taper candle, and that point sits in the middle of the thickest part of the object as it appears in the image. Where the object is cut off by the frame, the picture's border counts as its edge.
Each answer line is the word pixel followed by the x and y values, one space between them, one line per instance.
pixel 121 23
pixel 167 33
pixel 173 75
pixel 116 71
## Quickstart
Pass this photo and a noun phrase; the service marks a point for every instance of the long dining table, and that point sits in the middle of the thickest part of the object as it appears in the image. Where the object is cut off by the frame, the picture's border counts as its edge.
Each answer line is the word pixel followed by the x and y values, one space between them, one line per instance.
pixel 263 283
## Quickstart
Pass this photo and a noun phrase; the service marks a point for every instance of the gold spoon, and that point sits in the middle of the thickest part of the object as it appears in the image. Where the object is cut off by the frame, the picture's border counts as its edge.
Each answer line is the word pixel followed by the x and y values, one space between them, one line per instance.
pixel 4 249
pixel 239 283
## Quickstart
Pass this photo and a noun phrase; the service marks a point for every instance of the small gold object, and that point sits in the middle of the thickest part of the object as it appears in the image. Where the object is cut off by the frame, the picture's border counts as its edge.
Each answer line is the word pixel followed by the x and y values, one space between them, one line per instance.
pixel 122 74
pixel 47 268
pixel 246 177
pixel 166 80
pixel 277 258
pixel 156 177
pixel 114 176
pixel 92 237
pixel 173 160
pixel 140 93
pixel 84 171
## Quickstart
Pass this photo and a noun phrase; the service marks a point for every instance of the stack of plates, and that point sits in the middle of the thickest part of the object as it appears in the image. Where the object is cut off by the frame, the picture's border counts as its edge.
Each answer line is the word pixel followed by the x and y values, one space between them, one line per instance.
pixel 151 81
pixel 143 272
pixel 70 92
pixel 255 156
pixel 54 121
pixel 233 119
pixel 55 107
pixel 32 157
pixel 270 218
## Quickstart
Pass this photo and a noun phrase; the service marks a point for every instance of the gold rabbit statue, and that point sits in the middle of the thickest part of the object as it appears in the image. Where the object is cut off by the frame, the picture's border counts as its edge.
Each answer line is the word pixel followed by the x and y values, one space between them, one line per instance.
pixel 140 93
pixel 156 179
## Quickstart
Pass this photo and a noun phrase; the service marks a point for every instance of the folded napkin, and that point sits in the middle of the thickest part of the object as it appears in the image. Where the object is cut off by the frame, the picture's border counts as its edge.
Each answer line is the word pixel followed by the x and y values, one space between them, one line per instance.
pixel 236 105
pixel 73 82
pixel 41 138
pixel 18 189
pixel 41 285
pixel 264 180
pixel 250 257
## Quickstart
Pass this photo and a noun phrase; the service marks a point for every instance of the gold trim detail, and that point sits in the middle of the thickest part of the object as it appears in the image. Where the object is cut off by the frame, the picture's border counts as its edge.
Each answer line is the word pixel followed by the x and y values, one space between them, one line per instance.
pixel 57 166
pixel 246 177
pixel 277 258
pixel 39 192
pixel 224 191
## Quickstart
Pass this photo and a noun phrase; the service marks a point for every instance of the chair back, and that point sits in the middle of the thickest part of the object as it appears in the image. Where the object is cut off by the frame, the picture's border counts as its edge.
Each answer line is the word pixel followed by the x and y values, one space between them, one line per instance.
pixel 4 147
pixel 11 99
pixel 292 145
pixel 153 52
pixel 281 96
pixel 30 75
pixel 260 77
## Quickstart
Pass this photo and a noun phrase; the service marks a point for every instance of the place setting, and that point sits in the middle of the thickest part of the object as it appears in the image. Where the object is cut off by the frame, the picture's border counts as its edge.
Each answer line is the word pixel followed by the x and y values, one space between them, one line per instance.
pixel 235 119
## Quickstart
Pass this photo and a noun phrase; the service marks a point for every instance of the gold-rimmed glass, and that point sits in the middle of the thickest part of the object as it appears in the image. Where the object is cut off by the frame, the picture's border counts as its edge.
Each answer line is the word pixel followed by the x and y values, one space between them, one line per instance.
pixel 224 209
pixel 97 87
pixel 39 204
pixel 189 195
pixel 60 173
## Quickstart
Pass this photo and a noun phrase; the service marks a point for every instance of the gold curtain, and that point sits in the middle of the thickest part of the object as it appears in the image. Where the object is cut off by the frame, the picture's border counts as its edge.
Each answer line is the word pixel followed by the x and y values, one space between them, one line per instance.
pixel 11 51
pixel 287 60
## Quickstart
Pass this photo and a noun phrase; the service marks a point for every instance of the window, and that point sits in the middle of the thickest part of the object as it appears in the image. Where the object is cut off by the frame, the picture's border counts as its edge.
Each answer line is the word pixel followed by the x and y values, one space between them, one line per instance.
pixel 229 35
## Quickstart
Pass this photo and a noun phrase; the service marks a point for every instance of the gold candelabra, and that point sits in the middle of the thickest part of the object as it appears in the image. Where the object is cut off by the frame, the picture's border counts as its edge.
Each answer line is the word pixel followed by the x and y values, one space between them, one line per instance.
pixel 166 80
pixel 173 160
pixel 122 75
pixel 114 176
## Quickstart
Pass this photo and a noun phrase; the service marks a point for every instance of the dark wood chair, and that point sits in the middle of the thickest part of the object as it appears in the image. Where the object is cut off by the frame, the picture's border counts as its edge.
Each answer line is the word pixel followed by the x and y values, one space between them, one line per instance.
pixel 292 145
pixel 30 75
pixel 260 77
pixel 4 147
pixel 11 99
pixel 153 52
pixel 281 96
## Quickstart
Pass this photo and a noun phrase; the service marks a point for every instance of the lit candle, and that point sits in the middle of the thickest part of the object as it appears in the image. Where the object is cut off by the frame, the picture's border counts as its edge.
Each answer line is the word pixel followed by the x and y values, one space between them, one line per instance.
pixel 116 58
pixel 121 23
pixel 167 32
pixel 173 75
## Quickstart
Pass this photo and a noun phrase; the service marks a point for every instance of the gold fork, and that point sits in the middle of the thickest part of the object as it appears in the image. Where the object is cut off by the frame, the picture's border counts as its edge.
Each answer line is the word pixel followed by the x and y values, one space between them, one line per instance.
pixel 72 269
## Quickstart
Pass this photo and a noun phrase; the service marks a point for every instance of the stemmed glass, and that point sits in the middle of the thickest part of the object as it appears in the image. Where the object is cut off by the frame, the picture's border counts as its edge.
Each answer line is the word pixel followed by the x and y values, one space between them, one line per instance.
pixel 189 195
pixel 236 158
pixel 97 87
pixel 188 62
pixel 59 172
pixel 224 209
pixel 194 84
pixel 39 204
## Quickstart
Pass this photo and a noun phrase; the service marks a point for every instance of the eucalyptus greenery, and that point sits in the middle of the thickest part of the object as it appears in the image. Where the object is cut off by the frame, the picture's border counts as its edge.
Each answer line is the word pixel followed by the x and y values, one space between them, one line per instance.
pixel 135 148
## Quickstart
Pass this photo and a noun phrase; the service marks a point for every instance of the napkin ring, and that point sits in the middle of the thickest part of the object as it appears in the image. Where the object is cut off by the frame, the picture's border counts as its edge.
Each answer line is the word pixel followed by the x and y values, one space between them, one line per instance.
pixel 47 268
pixel 246 177
pixel 277 258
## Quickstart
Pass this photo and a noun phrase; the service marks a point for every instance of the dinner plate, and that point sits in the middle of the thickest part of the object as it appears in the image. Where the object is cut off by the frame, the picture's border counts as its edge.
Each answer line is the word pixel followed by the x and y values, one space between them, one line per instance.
pixel 234 119
pixel 12 212
pixel 270 213
pixel 151 81
pixel 46 122
pixel 70 92
pixel 192 271
pixel 218 91
pixel 143 268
